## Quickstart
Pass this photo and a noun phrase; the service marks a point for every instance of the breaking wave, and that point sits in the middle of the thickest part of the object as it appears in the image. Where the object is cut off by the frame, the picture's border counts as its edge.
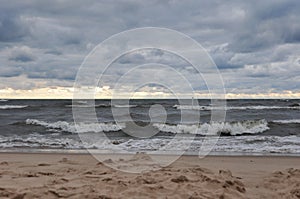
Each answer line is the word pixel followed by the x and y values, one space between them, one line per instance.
pixel 240 144
pixel 215 128
pixel 125 106
pixel 292 121
pixel 12 106
pixel 39 141
pixel 100 105
pixel 87 105
pixel 78 128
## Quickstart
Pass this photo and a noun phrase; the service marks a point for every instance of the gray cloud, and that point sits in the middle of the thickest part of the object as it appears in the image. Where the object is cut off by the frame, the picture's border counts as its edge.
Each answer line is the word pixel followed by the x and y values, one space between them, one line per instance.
pixel 257 41
pixel 12 28
pixel 22 54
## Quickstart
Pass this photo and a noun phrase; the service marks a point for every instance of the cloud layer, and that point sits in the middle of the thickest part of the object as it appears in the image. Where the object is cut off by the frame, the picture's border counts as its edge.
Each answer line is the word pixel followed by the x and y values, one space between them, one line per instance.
pixel 256 44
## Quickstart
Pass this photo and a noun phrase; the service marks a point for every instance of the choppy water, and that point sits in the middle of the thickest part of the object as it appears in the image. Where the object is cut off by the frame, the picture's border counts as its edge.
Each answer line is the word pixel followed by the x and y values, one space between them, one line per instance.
pixel 256 126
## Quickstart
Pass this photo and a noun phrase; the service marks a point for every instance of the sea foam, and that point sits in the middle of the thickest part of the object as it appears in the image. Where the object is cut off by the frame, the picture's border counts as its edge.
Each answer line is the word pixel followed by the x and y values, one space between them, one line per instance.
pixel 215 128
pixel 12 106
pixel 78 128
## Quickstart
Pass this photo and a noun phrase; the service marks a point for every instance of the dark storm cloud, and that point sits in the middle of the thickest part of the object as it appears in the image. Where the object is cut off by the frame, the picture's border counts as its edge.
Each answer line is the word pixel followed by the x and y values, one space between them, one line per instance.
pixel 152 56
pixel 10 71
pixel 267 24
pixel 246 39
pixel 11 28
pixel 53 52
pixel 22 54
pixel 22 58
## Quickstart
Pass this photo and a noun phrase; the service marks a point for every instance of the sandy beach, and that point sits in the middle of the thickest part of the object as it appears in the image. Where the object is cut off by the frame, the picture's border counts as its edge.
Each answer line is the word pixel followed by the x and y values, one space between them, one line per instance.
pixel 49 175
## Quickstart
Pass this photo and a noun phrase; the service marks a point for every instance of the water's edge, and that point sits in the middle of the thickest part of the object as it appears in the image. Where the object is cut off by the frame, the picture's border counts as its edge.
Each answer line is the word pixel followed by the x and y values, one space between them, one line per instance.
pixel 107 152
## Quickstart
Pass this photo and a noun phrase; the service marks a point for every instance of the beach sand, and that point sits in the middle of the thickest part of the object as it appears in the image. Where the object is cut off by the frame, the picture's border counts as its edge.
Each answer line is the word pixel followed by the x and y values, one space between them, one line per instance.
pixel 49 175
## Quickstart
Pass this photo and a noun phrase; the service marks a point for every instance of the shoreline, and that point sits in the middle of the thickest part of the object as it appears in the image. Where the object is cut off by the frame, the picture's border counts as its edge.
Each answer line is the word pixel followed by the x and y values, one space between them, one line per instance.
pixel 168 153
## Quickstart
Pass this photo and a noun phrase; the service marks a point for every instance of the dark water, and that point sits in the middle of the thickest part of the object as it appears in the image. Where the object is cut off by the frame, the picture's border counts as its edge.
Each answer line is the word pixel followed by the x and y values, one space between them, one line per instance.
pixel 262 126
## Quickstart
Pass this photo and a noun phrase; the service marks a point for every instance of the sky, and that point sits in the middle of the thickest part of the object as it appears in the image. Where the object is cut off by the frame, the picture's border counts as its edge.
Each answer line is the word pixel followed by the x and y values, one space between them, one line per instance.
pixel 255 44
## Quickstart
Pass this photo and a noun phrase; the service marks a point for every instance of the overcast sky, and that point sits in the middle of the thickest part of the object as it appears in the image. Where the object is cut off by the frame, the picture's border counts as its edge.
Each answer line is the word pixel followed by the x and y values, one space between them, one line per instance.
pixel 255 44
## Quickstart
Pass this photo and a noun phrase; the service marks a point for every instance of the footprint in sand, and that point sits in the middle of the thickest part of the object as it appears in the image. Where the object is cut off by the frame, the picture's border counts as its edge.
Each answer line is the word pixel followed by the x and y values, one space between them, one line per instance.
pixel 43 164
pixel 67 161
pixel 4 163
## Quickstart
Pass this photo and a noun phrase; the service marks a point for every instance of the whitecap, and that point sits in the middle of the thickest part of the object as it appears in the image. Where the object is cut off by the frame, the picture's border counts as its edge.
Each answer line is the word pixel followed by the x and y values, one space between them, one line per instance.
pixel 12 106
pixel 78 128
pixel 124 105
pixel 214 128
pixel 291 121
